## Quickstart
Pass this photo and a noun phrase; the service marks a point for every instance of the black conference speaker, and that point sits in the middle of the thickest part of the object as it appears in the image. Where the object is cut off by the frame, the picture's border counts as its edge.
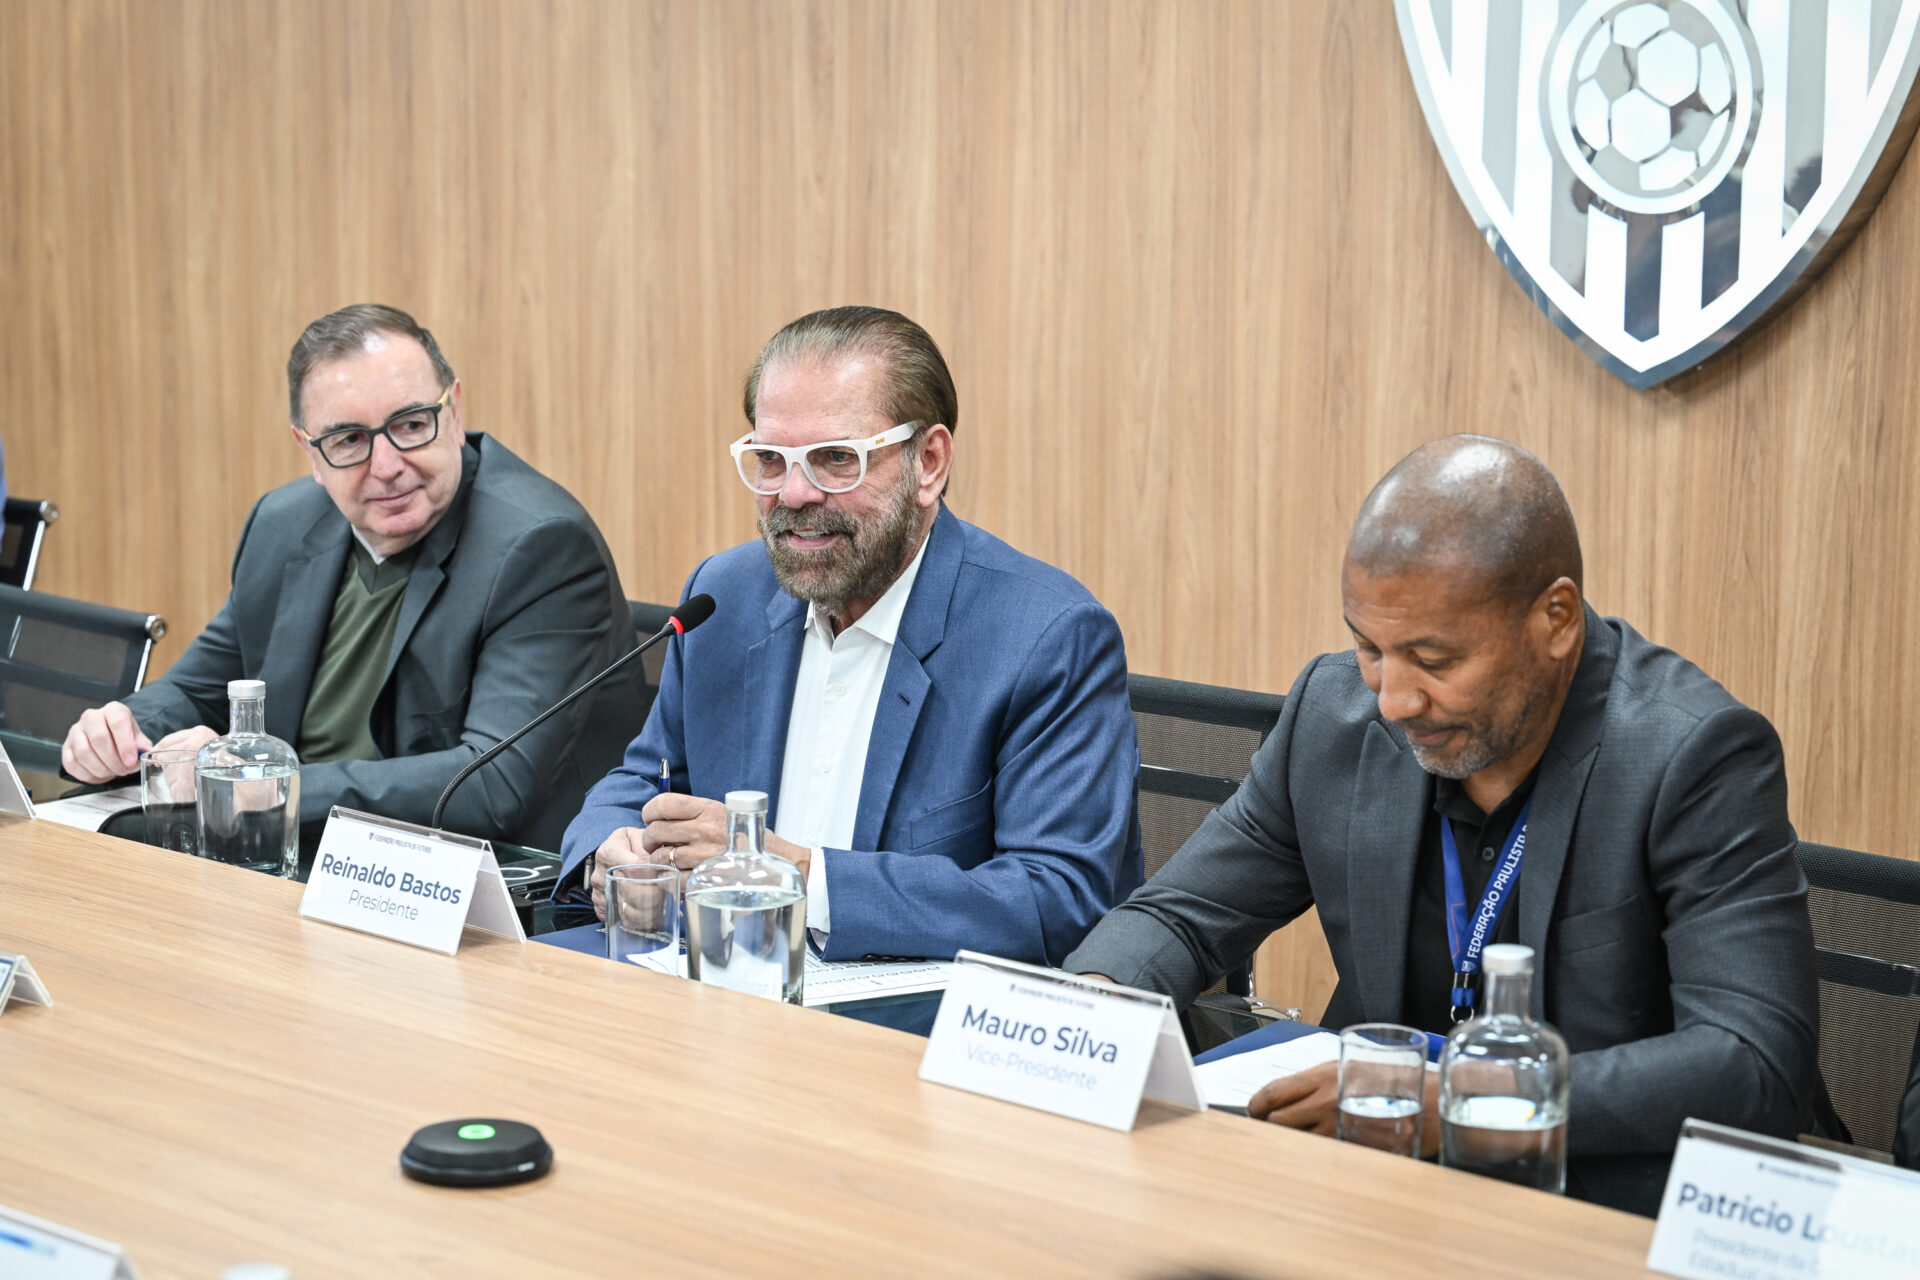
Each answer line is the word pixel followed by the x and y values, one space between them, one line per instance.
pixel 476 1153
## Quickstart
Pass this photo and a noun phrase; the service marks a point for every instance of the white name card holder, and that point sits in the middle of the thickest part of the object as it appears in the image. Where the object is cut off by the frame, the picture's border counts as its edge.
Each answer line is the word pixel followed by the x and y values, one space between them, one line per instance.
pixel 19 982
pixel 408 883
pixel 13 792
pixel 1738 1204
pixel 34 1249
pixel 1058 1042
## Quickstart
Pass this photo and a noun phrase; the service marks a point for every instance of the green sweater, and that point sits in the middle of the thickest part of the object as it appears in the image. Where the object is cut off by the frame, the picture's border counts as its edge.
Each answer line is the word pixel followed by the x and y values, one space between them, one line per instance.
pixel 353 661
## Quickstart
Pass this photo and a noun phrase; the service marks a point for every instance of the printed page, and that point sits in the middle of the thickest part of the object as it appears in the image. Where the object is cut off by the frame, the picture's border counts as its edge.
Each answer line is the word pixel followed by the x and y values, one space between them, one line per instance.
pixel 841 981
pixel 89 812
pixel 838 981
pixel 1232 1082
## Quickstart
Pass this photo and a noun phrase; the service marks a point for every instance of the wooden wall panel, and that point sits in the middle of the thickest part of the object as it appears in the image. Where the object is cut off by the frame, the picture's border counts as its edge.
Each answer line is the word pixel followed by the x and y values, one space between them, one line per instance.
pixel 1196 264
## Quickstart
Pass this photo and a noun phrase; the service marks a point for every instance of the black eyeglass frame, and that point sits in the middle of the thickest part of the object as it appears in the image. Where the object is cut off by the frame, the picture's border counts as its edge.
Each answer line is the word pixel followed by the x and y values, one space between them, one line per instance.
pixel 373 434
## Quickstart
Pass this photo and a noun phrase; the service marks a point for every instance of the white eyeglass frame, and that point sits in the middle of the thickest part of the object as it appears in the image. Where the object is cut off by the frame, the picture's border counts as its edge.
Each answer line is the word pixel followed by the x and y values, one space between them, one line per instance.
pixel 796 454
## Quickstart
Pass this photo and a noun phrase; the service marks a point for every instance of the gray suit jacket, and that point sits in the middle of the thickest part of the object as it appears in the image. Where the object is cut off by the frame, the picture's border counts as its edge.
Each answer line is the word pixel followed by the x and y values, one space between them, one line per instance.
pixel 1660 891
pixel 513 601
pixel 1906 1136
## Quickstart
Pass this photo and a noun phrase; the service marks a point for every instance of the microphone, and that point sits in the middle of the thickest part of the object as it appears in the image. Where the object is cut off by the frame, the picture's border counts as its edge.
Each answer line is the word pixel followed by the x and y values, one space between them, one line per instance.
pixel 689 615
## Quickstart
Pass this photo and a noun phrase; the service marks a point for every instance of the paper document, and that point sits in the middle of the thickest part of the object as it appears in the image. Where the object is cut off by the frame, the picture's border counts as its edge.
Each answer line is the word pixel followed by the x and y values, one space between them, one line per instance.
pixel 842 981
pixel 90 812
pixel 838 981
pixel 1232 1082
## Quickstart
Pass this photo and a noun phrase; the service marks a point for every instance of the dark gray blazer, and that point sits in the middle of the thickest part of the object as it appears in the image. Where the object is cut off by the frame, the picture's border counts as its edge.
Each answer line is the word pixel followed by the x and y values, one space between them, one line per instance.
pixel 513 601
pixel 1660 891
pixel 1906 1137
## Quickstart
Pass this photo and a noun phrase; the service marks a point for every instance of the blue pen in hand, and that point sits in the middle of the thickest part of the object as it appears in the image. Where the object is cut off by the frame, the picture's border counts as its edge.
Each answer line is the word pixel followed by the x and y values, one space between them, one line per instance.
pixel 666 777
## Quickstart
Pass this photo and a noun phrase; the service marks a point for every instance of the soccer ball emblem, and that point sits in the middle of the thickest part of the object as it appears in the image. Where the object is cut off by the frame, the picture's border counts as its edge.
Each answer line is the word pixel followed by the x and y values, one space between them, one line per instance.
pixel 1652 98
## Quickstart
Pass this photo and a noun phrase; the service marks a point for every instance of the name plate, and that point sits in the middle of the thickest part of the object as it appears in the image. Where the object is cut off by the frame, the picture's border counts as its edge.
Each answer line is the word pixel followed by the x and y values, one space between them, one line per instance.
pixel 13 792
pixel 19 982
pixel 34 1249
pixel 1058 1042
pixel 408 883
pixel 1738 1204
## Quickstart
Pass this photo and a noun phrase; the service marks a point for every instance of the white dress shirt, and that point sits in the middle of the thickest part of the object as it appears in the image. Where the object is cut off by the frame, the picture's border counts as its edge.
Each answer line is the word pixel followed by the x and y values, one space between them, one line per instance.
pixel 366 546
pixel 834 700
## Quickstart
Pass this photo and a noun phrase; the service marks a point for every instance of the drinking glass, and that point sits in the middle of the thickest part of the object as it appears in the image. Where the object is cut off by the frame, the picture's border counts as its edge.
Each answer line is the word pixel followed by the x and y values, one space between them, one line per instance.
pixel 1383 1078
pixel 643 915
pixel 167 797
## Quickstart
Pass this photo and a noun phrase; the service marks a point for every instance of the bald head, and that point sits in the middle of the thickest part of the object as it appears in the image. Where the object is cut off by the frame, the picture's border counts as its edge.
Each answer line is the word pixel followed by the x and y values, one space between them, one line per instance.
pixel 1481 510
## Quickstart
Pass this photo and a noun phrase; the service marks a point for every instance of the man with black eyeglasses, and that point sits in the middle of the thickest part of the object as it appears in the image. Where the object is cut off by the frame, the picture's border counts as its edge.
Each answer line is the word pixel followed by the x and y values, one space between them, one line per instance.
pixel 432 595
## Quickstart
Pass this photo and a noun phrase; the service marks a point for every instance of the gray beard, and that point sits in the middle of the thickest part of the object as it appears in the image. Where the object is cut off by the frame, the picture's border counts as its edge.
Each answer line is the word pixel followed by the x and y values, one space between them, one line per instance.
pixel 1485 749
pixel 1477 756
pixel 860 569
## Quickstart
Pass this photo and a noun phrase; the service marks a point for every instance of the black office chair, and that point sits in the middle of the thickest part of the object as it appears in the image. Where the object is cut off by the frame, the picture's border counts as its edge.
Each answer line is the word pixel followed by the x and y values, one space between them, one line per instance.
pixel 1866 930
pixel 647 619
pixel 1196 745
pixel 26 521
pixel 59 657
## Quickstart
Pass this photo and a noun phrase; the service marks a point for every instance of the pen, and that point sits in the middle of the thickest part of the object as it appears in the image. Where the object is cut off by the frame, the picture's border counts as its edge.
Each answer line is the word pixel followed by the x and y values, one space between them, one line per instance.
pixel 32 1246
pixel 666 786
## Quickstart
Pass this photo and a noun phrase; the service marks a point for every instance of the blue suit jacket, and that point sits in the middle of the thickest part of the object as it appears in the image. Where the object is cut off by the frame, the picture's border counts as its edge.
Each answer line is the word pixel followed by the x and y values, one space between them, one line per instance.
pixel 997 811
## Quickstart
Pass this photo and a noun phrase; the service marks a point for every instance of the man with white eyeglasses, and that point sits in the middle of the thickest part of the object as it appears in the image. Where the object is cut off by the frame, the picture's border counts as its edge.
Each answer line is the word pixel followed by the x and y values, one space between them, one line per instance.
pixel 424 595
pixel 940 723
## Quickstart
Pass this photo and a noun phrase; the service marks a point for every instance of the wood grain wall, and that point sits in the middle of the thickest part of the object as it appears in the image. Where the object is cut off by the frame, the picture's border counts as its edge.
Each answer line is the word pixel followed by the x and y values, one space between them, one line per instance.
pixel 1196 264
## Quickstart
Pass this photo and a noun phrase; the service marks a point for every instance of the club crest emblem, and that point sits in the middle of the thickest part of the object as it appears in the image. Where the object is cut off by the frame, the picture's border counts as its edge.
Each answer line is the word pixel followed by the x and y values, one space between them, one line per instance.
pixel 1662 175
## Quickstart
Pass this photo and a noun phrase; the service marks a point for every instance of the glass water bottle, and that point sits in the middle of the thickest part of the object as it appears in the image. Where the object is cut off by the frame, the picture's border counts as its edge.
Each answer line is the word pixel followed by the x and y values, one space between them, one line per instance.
pixel 248 787
pixel 1504 1082
pixel 747 910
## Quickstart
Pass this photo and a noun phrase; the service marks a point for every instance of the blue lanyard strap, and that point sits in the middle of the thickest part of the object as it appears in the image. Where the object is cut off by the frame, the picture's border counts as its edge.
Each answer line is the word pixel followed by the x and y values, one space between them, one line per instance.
pixel 1467 937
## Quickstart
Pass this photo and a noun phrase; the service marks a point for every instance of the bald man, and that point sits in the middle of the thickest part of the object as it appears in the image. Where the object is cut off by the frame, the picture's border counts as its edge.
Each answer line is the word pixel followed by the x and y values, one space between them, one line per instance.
pixel 1657 882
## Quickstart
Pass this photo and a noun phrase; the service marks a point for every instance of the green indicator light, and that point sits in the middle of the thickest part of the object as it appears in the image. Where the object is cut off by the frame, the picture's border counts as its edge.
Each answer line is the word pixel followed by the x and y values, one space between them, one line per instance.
pixel 476 1132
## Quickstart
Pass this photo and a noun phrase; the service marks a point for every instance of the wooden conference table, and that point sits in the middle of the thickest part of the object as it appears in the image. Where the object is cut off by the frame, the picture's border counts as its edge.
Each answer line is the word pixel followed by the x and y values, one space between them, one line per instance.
pixel 221 1081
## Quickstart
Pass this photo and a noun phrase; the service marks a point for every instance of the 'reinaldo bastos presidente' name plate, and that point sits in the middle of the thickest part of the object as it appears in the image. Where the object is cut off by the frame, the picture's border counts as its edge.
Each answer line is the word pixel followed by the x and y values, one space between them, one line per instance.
pixel 1058 1042
pixel 408 883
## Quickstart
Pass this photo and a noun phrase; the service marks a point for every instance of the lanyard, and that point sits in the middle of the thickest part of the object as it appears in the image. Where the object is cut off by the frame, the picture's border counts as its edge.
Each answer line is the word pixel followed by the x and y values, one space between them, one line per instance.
pixel 1466 937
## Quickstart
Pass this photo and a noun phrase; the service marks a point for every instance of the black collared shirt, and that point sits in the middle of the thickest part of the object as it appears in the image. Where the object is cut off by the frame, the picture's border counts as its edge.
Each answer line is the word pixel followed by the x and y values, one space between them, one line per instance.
pixel 1427 999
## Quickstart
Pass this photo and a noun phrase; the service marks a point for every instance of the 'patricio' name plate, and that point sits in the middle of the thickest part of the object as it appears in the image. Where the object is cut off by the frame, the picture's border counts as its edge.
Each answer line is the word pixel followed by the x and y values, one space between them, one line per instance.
pixel 1738 1204
pixel 408 883
pixel 1058 1042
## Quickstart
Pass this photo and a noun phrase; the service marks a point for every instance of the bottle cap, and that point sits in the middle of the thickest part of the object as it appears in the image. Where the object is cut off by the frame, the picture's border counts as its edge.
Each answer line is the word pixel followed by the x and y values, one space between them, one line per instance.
pixel 246 688
pixel 1507 959
pixel 746 802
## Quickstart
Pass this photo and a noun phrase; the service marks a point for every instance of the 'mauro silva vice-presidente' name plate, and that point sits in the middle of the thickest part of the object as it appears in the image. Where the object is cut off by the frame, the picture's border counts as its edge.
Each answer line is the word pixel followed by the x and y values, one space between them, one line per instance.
pixel 408 883
pixel 1057 1042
